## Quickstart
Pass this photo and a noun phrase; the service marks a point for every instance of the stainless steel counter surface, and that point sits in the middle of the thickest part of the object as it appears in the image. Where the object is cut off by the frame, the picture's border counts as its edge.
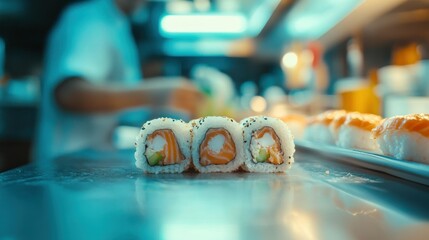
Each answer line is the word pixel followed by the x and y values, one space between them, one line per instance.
pixel 93 195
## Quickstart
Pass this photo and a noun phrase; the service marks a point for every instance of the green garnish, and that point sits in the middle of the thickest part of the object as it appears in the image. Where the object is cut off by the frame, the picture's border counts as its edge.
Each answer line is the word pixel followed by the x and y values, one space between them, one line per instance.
pixel 263 155
pixel 155 159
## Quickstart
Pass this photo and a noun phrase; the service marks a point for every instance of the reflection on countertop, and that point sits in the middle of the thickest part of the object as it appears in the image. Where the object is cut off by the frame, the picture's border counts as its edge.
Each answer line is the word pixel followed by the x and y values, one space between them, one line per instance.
pixel 92 195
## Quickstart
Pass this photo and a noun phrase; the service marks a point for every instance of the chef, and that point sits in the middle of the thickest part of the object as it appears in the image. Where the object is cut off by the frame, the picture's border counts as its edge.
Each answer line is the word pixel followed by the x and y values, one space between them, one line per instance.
pixel 91 73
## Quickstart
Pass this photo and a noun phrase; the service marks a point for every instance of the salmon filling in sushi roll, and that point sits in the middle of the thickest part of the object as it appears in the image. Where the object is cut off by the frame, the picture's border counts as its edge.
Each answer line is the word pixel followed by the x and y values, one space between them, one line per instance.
pixel 268 145
pixel 265 146
pixel 163 146
pixel 355 132
pixel 405 137
pixel 217 144
pixel 217 148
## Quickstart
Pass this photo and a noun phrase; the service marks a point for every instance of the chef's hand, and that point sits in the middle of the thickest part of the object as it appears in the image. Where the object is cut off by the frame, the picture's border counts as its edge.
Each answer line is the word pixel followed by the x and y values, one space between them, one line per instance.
pixel 80 95
pixel 176 93
pixel 186 97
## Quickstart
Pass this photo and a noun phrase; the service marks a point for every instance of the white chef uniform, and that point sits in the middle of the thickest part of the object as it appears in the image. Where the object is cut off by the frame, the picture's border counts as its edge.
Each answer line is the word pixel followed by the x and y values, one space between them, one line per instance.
pixel 92 40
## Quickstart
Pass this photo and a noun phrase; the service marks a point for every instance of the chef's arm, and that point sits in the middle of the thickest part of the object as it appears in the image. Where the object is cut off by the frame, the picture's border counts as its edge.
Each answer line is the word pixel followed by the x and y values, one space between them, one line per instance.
pixel 79 95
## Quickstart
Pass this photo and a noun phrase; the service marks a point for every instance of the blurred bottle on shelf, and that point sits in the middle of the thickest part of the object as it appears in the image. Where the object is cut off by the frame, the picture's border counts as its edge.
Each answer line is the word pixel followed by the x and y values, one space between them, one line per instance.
pixel 306 76
pixel 401 78
pixel 404 85
pixel 356 92
pixel 359 94
pixel 355 57
pixel 406 54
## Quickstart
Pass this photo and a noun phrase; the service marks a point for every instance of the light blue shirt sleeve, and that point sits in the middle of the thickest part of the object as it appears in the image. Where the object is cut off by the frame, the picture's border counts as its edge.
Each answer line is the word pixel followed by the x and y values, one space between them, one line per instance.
pixel 85 47
pixel 92 40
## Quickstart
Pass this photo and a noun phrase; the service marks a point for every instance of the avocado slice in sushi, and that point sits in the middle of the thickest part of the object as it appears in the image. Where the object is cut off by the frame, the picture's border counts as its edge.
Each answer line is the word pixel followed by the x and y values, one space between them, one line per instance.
pixel 263 155
pixel 155 158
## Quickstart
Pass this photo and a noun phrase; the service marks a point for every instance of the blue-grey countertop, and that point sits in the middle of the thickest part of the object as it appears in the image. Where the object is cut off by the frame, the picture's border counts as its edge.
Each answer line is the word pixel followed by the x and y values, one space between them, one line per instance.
pixel 92 195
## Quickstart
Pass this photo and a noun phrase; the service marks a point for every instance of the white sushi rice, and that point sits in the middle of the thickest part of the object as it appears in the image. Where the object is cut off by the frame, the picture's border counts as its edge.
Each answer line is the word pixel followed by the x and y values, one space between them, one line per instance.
pixel 252 124
pixel 357 138
pixel 200 127
pixel 335 130
pixel 319 133
pixel 403 144
pixel 181 131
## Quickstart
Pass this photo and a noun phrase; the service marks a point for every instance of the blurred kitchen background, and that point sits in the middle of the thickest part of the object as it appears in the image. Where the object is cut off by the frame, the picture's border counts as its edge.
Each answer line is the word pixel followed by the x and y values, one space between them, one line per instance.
pixel 271 57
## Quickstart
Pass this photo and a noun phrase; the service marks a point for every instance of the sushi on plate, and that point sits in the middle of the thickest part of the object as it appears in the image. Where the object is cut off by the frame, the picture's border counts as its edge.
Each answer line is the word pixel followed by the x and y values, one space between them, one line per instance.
pixel 318 128
pixel 355 132
pixel 405 137
pixel 335 125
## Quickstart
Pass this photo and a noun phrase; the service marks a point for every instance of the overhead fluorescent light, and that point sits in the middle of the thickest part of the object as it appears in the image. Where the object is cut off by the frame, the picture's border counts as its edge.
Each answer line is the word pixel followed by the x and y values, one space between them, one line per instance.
pixel 210 24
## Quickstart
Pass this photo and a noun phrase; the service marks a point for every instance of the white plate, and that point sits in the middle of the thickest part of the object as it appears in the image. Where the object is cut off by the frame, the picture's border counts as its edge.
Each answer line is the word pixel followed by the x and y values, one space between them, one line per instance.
pixel 412 171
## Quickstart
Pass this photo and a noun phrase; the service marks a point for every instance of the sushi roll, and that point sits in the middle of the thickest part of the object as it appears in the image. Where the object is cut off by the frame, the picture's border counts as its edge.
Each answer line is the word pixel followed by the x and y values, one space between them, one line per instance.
pixel 217 144
pixel 405 137
pixel 355 132
pixel 163 146
pixel 318 129
pixel 268 145
pixel 296 123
